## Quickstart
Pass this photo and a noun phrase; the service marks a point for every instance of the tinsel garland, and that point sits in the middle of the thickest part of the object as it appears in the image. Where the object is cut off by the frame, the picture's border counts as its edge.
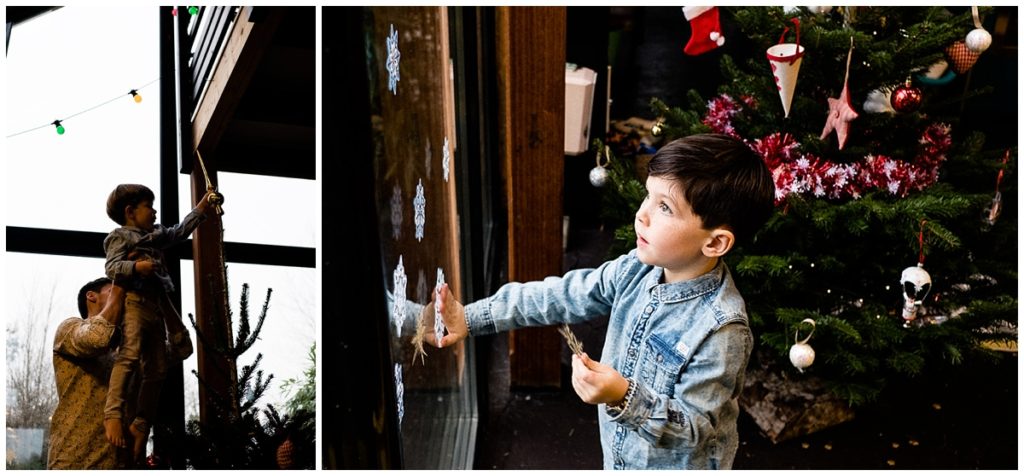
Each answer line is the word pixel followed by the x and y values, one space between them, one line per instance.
pixel 800 172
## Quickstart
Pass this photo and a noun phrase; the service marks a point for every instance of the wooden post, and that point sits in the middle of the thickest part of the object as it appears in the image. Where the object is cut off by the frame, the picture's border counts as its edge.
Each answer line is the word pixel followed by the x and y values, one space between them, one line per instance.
pixel 531 85
pixel 215 369
pixel 246 44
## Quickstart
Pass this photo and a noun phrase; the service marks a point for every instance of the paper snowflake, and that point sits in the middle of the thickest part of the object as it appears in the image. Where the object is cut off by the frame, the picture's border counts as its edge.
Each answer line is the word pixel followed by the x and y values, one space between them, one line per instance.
pixel 446 160
pixel 394 56
pixel 420 204
pixel 398 311
pixel 438 322
pixel 399 392
pixel 396 212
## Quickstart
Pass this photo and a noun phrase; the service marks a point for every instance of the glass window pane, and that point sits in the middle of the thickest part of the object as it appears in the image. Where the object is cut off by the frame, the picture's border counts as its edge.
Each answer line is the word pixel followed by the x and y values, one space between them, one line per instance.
pixel 63 63
pixel 262 209
pixel 41 292
pixel 411 103
pixel 289 330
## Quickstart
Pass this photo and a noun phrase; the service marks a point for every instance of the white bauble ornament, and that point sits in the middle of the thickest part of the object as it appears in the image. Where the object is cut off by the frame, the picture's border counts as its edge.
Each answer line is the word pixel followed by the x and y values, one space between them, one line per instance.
pixel 916 283
pixel 598 176
pixel 802 355
pixel 820 10
pixel 978 40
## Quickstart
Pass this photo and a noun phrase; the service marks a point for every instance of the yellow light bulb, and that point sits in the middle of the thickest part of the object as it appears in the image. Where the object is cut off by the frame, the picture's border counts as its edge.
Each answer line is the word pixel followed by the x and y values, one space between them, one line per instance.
pixel 135 96
pixel 138 98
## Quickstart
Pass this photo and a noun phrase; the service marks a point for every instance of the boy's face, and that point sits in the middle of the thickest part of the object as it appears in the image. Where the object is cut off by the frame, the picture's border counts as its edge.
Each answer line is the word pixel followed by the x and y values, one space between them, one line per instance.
pixel 142 215
pixel 669 234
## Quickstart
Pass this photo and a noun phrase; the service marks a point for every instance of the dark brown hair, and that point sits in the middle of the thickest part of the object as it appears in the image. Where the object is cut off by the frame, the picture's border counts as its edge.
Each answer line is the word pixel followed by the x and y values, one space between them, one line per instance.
pixel 127 194
pixel 95 286
pixel 725 182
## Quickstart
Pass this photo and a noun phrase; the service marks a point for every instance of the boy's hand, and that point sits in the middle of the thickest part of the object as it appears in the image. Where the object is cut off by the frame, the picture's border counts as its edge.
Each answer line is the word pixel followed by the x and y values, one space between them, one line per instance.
pixel 453 315
pixel 144 267
pixel 204 203
pixel 597 383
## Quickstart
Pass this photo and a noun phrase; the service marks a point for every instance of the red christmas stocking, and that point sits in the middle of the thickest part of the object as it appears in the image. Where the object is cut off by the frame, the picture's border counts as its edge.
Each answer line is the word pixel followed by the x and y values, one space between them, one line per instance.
pixel 707 32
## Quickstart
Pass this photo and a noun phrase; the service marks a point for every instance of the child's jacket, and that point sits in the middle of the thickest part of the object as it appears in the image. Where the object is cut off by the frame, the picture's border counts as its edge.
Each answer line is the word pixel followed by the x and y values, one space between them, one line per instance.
pixel 685 344
pixel 126 239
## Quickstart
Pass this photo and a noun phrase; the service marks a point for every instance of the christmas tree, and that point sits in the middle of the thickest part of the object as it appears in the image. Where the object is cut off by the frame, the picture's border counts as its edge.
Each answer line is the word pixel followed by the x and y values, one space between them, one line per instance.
pixel 868 186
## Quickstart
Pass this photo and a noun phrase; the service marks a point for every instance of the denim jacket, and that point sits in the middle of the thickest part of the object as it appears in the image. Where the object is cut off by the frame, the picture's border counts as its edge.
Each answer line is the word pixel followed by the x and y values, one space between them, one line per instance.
pixel 684 344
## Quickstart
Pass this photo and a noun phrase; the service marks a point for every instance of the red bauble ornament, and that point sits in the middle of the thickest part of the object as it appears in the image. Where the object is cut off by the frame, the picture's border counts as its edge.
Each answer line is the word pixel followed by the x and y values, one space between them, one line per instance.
pixel 906 98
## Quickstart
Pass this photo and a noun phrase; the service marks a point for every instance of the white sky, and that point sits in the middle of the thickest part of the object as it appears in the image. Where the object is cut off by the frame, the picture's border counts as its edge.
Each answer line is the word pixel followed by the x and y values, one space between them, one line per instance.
pixel 75 58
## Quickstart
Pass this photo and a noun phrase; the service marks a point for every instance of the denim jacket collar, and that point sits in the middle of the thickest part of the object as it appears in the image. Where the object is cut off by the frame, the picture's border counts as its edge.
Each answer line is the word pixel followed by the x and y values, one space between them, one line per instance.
pixel 684 290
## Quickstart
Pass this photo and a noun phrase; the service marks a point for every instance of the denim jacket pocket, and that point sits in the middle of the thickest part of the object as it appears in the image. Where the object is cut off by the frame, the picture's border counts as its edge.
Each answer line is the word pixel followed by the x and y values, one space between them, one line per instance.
pixel 661 365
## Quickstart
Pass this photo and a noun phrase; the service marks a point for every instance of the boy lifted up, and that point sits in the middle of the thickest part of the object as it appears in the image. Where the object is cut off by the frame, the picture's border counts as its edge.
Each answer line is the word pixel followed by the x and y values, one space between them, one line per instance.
pixel 135 260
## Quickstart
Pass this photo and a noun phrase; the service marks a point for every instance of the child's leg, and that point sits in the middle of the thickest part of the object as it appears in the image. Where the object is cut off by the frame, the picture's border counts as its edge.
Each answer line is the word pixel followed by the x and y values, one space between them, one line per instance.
pixel 154 369
pixel 125 366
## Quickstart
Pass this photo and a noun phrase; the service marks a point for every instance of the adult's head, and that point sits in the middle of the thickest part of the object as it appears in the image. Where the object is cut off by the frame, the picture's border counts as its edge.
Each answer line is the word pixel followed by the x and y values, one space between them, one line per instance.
pixel 93 296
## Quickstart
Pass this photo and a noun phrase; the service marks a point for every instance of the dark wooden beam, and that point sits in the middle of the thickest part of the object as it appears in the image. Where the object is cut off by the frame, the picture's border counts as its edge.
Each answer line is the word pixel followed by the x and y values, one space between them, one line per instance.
pixel 531 85
pixel 89 244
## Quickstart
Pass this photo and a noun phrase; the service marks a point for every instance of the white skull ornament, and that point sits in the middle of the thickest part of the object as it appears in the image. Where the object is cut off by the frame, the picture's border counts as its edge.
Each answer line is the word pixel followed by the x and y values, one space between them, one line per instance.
pixel 916 283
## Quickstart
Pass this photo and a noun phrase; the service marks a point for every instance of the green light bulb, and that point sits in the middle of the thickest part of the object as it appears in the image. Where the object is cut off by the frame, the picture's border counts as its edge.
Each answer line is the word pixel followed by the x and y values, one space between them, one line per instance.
pixel 60 130
pixel 193 10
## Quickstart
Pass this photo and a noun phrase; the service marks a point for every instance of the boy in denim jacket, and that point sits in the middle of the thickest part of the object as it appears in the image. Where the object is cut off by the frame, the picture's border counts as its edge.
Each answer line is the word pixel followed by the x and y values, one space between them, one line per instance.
pixel 678 339
pixel 135 260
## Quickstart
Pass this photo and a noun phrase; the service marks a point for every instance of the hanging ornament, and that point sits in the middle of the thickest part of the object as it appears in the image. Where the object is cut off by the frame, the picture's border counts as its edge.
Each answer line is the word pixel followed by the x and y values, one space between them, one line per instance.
pixel 599 174
pixel 785 59
pixel 135 95
pixel 960 57
pixel 978 40
pixel 706 30
pixel 820 10
pixel 937 74
pixel 916 282
pixel 878 102
pixel 802 354
pixel 906 98
pixel 60 128
pixel 840 111
pixel 992 212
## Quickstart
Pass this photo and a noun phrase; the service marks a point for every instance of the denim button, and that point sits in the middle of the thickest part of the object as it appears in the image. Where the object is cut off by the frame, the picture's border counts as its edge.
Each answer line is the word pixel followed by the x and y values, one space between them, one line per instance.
pixel 660 358
pixel 632 352
pixel 649 309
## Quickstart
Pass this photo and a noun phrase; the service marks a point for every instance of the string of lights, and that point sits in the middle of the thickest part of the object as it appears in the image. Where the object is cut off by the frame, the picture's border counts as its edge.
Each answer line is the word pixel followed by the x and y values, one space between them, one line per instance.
pixel 59 123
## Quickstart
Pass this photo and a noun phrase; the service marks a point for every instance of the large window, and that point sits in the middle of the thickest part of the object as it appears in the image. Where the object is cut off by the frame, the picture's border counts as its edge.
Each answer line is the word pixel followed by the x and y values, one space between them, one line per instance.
pixel 412 107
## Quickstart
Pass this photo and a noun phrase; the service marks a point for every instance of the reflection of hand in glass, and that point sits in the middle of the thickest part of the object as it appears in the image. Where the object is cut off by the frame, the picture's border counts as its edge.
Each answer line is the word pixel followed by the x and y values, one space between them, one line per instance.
pixel 452 314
